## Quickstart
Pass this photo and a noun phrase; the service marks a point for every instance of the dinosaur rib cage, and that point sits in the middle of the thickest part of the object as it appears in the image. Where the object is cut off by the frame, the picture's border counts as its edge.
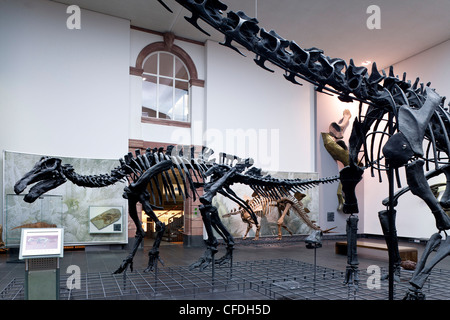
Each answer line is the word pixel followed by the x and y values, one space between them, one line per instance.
pixel 187 171
pixel 436 142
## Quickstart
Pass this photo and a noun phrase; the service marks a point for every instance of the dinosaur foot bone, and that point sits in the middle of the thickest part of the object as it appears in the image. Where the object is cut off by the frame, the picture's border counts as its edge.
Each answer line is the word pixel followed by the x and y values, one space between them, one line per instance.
pixel 397 270
pixel 204 261
pixel 153 258
pixel 226 258
pixel 128 262
pixel 414 294
pixel 351 276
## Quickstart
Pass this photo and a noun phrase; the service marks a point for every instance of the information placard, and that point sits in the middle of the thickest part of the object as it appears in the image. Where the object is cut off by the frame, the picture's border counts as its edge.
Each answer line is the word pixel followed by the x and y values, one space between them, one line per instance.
pixel 41 243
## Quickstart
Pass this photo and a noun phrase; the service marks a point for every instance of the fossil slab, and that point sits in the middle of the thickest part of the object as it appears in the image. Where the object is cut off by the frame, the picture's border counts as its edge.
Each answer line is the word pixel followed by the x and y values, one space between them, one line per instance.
pixel 106 218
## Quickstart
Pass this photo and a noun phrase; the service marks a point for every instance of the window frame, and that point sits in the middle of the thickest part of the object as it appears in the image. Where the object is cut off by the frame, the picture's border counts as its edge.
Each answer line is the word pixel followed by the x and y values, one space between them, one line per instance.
pixel 173 79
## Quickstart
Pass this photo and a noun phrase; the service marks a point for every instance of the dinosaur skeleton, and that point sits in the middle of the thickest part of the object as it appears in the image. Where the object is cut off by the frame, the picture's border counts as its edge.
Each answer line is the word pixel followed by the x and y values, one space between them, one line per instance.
pixel 259 206
pixel 410 115
pixel 150 179
pixel 283 204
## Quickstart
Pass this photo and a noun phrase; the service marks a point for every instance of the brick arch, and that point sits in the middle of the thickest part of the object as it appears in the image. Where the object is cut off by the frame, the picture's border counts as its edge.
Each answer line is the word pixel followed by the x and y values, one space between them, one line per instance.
pixel 168 46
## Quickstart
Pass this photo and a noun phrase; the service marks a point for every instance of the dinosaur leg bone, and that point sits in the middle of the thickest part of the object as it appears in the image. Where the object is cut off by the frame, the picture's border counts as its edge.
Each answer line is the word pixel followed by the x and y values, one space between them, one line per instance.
pixel 248 220
pixel 140 233
pixel 153 255
pixel 258 230
pixel 220 174
pixel 280 223
pixel 422 272
pixel 351 274
pixel 213 187
pixel 249 227
pixel 350 177
pixel 391 241
pixel 211 242
pixel 418 184
pixel 337 129
pixel 220 228
pixel 445 200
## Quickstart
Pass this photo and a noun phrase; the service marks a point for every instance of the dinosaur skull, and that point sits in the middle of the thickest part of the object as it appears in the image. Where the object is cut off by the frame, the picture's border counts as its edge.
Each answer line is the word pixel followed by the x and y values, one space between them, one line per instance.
pixel 47 172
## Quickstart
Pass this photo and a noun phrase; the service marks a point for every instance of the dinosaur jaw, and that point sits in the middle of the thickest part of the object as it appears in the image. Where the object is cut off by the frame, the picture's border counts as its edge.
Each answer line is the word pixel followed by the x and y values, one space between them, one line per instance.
pixel 47 175
pixel 42 187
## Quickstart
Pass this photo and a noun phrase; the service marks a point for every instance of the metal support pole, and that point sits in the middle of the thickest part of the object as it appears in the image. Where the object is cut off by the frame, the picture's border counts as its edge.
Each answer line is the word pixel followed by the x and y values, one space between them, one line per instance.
pixel 315 267
pixel 391 234
pixel 156 277
pixel 213 271
pixel 315 261
pixel 231 267
pixel 391 222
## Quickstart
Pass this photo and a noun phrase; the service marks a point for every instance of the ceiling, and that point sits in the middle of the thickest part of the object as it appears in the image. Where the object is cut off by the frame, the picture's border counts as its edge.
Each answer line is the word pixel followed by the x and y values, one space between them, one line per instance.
pixel 337 27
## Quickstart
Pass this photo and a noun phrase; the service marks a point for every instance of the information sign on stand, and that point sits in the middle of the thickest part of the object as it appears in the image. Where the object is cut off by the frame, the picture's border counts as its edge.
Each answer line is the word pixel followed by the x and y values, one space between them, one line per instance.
pixel 41 248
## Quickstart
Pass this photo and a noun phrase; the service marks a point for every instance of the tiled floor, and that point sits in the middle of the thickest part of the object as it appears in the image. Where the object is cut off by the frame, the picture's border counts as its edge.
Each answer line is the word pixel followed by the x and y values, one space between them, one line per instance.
pixel 275 261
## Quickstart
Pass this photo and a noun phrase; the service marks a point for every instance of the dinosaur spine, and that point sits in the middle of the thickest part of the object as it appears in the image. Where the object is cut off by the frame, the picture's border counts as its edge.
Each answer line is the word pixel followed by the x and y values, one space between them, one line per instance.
pixel 310 65
pixel 93 181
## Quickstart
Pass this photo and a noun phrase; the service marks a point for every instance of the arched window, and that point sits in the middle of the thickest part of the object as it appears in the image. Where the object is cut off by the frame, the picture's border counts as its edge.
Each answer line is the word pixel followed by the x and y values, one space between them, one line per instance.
pixel 165 87
pixel 168 72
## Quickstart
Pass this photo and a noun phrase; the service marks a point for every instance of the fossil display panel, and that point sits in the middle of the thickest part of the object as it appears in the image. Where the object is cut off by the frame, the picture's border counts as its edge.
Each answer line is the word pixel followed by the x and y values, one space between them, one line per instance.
pixel 66 206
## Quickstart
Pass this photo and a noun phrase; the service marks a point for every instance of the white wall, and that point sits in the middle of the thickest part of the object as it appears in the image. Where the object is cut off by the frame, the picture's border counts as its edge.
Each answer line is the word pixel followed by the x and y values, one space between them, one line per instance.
pixel 63 92
pixel 431 65
pixel 414 218
pixel 247 102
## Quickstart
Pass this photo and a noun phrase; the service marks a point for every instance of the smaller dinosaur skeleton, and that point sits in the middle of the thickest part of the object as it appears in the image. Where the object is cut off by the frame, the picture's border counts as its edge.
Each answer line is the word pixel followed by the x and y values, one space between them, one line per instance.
pixel 284 206
pixel 259 206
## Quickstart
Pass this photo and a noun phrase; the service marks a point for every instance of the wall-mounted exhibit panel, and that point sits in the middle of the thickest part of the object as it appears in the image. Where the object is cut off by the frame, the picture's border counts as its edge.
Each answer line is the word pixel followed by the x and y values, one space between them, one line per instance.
pixel 88 215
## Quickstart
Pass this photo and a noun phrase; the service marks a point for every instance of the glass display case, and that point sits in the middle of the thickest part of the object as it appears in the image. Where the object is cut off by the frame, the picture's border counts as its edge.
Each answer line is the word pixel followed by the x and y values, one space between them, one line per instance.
pixel 43 213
